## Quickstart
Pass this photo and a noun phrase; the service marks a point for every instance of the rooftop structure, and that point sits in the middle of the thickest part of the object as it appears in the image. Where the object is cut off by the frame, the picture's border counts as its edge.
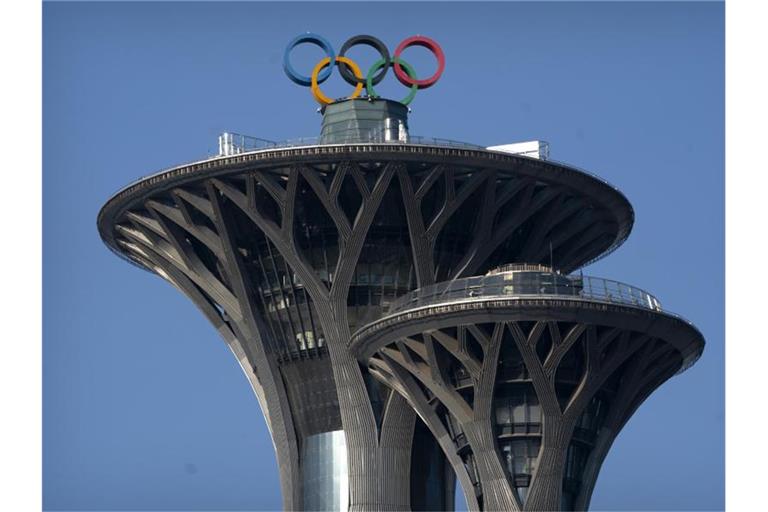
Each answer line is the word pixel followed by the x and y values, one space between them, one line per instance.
pixel 340 273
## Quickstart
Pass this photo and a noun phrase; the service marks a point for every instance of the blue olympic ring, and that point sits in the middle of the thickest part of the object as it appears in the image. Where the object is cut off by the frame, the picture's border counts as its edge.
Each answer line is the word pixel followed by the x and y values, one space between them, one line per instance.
pixel 317 40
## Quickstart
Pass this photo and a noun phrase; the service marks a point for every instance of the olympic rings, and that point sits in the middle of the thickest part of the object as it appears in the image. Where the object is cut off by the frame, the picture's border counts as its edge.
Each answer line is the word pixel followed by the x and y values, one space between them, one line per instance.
pixel 318 94
pixel 381 63
pixel 350 71
pixel 430 45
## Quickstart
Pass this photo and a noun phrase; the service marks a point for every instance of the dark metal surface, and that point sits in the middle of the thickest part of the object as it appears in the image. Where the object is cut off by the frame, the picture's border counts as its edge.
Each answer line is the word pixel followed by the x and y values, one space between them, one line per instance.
pixel 598 193
pixel 288 251
pixel 568 371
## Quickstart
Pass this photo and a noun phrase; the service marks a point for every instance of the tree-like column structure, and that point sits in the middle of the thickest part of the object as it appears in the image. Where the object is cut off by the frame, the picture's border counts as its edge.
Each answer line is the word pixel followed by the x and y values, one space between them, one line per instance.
pixel 289 251
pixel 525 385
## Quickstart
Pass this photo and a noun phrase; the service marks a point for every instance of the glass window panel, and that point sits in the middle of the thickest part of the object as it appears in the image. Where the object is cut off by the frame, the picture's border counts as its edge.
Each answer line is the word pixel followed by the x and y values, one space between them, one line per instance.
pixel 502 413
pixel 535 413
pixel 520 448
pixel 507 458
pixel 324 472
pixel 518 413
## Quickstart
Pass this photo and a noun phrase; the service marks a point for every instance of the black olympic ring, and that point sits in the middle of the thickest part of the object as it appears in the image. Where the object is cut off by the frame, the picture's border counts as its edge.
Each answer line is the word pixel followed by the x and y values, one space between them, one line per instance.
pixel 376 44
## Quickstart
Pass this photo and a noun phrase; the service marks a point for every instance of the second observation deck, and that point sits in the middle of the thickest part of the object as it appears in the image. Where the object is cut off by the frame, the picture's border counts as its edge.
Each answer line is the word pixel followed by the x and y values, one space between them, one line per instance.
pixel 540 282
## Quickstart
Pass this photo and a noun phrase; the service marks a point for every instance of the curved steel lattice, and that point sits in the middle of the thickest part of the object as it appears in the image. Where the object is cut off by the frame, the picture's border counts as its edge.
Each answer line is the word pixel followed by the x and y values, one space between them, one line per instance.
pixel 526 396
pixel 287 256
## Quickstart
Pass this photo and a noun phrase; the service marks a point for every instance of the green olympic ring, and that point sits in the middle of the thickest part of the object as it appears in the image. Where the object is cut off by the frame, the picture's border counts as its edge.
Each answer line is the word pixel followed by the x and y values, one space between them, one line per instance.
pixel 379 64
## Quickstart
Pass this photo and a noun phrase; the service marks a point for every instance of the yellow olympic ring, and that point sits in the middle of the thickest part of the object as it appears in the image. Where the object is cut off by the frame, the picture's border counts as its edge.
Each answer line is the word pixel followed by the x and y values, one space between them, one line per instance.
pixel 318 94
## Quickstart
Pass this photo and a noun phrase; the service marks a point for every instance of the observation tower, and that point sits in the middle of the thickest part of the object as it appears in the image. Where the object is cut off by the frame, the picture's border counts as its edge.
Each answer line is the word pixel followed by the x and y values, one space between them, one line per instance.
pixel 404 307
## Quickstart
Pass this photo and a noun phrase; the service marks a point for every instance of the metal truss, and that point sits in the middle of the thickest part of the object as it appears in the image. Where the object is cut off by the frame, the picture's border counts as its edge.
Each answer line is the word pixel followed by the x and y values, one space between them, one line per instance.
pixel 268 246
pixel 452 362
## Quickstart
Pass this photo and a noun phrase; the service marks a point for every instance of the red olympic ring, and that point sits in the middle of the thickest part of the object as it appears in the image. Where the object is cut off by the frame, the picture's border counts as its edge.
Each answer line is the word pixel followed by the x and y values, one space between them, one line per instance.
pixel 430 45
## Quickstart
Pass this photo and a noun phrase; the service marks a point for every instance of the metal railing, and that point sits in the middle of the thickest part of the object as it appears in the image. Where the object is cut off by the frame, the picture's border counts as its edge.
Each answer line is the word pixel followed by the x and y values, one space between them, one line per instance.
pixel 236 143
pixel 527 284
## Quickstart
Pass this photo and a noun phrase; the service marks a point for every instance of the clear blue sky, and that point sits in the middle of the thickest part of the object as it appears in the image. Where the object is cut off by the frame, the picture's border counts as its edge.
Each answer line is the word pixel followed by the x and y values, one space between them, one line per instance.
pixel 145 408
